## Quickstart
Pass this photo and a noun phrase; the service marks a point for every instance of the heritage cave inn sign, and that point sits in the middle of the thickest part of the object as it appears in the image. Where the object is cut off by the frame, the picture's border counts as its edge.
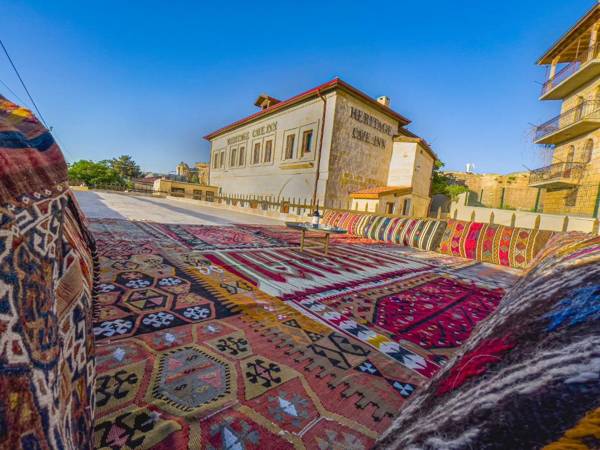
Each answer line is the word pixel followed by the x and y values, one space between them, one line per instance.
pixel 306 146
pixel 367 119
pixel 265 129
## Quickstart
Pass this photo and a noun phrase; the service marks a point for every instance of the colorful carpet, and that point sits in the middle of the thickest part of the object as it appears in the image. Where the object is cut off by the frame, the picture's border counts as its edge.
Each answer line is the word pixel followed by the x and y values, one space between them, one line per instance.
pixel 207 237
pixel 192 356
pixel 283 272
pixel 47 366
pixel 193 352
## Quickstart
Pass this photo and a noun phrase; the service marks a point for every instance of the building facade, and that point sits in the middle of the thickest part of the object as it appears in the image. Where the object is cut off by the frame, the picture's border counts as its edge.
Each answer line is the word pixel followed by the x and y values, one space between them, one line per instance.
pixel 176 188
pixel 571 183
pixel 321 145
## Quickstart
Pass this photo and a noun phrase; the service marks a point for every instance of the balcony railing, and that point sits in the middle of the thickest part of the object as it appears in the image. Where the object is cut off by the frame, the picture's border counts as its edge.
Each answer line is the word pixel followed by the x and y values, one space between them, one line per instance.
pixel 589 109
pixel 571 68
pixel 561 76
pixel 566 171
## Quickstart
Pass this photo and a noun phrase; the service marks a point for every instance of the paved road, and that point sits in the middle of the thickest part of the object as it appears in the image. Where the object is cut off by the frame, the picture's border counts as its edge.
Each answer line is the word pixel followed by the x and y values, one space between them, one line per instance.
pixel 125 206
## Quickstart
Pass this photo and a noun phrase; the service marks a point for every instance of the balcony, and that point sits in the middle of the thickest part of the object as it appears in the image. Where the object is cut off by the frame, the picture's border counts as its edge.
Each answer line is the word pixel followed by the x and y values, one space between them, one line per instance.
pixel 571 77
pixel 582 119
pixel 557 176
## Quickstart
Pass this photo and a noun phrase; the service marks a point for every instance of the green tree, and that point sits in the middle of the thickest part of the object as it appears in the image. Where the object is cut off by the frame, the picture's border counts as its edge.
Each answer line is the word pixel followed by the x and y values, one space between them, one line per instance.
pixel 125 166
pixel 93 174
pixel 444 184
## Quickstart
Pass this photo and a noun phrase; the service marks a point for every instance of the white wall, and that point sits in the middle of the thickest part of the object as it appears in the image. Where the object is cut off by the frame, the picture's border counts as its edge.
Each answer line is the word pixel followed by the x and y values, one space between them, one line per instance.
pixel 279 177
pixel 524 219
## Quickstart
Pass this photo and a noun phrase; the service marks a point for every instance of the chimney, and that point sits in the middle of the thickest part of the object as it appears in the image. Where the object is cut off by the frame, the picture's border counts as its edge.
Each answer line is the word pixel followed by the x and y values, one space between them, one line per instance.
pixel 385 100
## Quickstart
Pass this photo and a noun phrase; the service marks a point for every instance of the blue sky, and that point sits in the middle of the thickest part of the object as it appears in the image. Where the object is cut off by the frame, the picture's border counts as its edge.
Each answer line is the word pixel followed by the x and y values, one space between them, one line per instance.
pixel 150 78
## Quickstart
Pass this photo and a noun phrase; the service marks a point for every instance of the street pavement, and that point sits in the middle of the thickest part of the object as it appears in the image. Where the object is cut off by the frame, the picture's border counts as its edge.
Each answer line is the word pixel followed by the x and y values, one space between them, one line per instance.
pixel 111 205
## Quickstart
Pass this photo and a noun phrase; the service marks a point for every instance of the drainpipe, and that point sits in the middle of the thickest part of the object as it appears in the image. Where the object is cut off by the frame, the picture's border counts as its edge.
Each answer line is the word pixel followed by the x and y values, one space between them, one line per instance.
pixel 314 197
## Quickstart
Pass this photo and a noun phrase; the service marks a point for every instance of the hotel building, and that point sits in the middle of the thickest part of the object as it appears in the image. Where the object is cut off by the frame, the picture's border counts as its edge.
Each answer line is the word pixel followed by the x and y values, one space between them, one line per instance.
pixel 326 144
pixel 571 184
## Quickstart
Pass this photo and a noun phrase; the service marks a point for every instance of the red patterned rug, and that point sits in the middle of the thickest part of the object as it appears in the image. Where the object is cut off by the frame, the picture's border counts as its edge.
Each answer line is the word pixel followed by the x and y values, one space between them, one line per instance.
pixel 287 271
pixel 429 311
pixel 192 356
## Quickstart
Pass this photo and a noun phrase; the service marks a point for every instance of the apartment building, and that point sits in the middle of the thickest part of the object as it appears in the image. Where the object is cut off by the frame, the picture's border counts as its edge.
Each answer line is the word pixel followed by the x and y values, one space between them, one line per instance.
pixel 571 183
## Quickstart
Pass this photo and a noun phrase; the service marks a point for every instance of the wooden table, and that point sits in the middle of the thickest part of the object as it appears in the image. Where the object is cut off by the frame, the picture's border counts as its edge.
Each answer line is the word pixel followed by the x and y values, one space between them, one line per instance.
pixel 323 240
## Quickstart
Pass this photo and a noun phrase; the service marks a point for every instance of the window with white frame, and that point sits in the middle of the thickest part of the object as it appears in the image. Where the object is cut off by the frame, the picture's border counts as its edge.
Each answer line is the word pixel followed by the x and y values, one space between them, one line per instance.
pixel 256 153
pixel 307 138
pixel 268 153
pixel 289 146
pixel 242 159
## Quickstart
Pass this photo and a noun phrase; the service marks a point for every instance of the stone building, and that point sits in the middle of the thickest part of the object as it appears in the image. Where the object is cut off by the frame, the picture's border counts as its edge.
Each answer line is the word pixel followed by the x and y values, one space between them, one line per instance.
pixel 322 145
pixel 200 170
pixel 178 188
pixel 571 184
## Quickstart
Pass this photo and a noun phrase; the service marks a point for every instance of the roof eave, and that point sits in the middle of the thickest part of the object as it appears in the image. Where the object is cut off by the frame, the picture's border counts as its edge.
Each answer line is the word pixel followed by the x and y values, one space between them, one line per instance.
pixel 547 57
pixel 315 92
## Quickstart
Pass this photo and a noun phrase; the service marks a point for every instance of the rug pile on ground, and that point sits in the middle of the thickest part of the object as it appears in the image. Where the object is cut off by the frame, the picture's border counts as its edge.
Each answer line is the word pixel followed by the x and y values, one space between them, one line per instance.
pixel 230 337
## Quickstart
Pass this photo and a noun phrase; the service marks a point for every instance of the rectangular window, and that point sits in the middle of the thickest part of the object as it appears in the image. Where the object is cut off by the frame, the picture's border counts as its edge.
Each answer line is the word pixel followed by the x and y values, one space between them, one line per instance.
pixel 306 142
pixel 222 160
pixel 268 150
pixel 233 157
pixel 256 153
pixel 177 192
pixel 215 160
pixel 389 208
pixel 289 146
pixel 242 160
pixel 406 207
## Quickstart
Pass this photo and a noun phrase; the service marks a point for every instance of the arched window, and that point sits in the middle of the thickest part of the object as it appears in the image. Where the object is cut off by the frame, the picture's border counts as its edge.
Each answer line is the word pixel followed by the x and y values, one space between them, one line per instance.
pixel 571 154
pixel 586 157
pixel 569 162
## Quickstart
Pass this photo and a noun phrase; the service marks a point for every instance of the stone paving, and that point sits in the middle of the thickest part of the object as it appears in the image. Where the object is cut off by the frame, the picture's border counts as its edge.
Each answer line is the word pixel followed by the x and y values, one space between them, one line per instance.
pixel 111 205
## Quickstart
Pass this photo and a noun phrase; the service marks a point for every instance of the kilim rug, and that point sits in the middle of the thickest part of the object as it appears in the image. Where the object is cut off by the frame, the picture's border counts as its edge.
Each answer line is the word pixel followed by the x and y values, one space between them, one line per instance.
pixel 47 367
pixel 193 352
pixel 190 355
pixel 283 272
pixel 207 237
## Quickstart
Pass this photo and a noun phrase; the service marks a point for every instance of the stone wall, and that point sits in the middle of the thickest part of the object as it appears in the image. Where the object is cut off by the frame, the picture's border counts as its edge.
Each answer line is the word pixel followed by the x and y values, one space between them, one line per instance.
pixel 509 191
pixel 357 161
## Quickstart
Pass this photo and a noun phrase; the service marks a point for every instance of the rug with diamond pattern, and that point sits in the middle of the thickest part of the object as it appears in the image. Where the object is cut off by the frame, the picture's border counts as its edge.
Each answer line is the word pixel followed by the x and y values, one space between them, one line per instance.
pixel 191 355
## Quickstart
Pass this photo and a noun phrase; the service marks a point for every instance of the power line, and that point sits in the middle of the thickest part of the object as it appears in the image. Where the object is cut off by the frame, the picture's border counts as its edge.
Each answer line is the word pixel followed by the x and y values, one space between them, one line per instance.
pixel 12 92
pixel 23 84
pixel 53 132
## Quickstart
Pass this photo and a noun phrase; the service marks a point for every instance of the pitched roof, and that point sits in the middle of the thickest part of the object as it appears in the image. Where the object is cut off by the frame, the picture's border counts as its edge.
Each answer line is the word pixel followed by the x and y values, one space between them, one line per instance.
pixel 334 84
pixel 567 38
pixel 380 191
